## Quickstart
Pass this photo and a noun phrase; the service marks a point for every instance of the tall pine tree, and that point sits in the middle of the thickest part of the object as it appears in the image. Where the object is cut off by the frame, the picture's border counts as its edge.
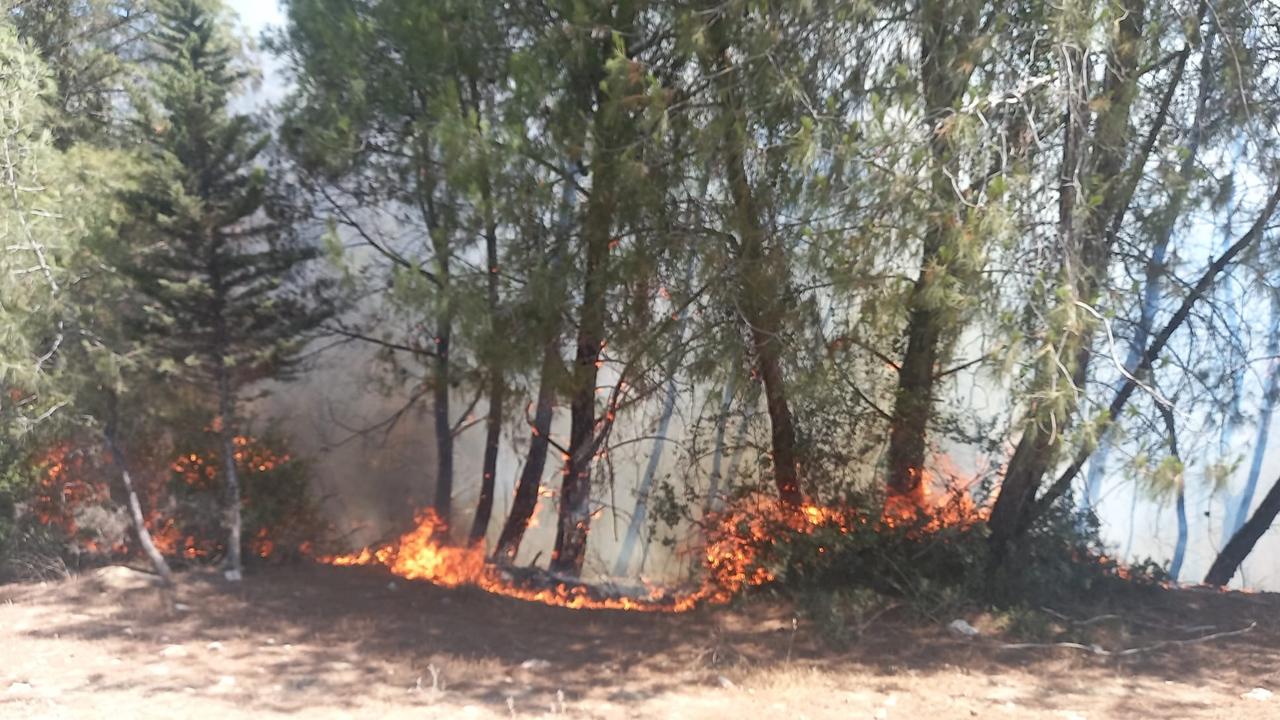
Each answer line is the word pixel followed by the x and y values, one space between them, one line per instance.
pixel 224 299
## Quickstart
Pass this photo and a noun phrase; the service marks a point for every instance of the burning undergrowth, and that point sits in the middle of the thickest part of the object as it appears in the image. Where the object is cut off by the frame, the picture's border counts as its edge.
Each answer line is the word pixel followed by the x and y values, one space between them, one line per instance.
pixel 74 504
pixel 741 551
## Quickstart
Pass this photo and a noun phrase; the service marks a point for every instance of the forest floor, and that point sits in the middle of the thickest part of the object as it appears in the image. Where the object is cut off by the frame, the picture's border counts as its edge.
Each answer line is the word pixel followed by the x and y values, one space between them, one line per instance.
pixel 322 642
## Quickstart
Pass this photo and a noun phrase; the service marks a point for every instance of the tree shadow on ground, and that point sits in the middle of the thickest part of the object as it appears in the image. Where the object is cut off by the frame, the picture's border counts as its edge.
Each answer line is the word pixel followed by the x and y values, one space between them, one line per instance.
pixel 288 636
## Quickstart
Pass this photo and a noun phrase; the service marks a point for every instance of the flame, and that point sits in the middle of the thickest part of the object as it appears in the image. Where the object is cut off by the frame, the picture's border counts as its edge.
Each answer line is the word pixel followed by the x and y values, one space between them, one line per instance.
pixel 67 484
pixel 423 553
pixel 736 540
pixel 69 481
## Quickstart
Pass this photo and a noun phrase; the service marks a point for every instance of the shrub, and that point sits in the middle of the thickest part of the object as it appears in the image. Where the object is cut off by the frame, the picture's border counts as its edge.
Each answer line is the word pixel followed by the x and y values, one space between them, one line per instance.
pixel 844 564
pixel 279 515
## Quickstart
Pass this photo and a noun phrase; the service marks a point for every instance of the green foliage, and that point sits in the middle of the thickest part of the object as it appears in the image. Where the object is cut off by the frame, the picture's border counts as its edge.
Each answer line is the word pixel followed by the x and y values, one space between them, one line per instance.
pixel 210 246
pixel 846 569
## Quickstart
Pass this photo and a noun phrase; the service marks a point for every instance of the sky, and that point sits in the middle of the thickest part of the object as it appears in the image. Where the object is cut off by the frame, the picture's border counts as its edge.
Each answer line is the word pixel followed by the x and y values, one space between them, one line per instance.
pixel 255 17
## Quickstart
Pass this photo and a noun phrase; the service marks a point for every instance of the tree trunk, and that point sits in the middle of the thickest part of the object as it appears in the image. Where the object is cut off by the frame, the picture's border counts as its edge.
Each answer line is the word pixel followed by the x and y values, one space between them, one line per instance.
pixel 946 28
pixel 525 503
pixel 1241 544
pixel 226 435
pixel 530 482
pixel 640 514
pixel 135 513
pixel 443 422
pixel 762 275
pixel 1180 547
pixel 1270 390
pixel 717 453
pixel 1087 258
pixel 608 137
pixel 574 519
pixel 740 441
pixel 786 472
pixel 497 383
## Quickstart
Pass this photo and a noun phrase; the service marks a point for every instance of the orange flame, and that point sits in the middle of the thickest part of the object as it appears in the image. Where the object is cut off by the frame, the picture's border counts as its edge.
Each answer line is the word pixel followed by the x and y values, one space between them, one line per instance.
pixel 731 559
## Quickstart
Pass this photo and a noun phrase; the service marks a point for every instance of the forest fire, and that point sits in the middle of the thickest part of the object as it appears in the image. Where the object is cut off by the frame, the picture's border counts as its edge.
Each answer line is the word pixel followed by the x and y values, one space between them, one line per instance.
pixel 732 556
pixel 71 481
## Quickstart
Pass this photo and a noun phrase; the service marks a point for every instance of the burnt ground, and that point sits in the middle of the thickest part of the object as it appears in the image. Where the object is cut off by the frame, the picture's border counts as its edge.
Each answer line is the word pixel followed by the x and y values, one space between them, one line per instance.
pixel 323 642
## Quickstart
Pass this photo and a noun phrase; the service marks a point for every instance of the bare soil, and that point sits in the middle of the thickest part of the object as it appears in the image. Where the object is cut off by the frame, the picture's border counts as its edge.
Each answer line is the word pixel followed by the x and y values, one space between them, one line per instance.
pixel 322 642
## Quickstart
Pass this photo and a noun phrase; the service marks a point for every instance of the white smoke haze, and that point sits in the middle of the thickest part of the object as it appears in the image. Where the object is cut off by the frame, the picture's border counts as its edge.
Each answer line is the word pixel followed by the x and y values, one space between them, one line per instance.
pixel 373 482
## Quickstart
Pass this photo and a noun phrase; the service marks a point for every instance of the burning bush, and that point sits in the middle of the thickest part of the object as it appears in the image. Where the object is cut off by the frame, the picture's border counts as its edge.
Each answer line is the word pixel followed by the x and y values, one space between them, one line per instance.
pixel 65 512
pixel 280 517
pixel 932 557
pixel 58 511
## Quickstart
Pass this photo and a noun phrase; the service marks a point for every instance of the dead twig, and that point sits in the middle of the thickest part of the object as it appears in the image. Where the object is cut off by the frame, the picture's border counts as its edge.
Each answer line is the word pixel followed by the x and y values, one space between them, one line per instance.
pixel 1099 650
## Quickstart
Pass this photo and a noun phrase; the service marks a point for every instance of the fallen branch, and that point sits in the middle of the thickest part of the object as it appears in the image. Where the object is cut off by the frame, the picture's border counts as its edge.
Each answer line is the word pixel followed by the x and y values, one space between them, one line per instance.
pixel 1099 650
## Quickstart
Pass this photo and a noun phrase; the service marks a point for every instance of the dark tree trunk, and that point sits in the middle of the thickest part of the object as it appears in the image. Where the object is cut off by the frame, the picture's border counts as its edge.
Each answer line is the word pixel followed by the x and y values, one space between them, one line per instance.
pixel 1086 240
pixel 497 383
pixel 574 521
pixel 608 130
pixel 443 422
pixel 525 503
pixel 786 471
pixel 762 275
pixel 530 482
pixel 492 439
pixel 914 402
pixel 945 37
pixel 1241 544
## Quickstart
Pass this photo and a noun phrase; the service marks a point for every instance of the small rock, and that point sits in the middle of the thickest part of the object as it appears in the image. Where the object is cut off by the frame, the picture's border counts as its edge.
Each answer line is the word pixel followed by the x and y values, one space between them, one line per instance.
pixel 726 683
pixel 963 629
pixel 118 578
pixel 392 586
pixel 173 651
pixel 1259 694
pixel 215 646
pixel 225 683
pixel 535 664
pixel 181 607
pixel 233 576
pixel 20 687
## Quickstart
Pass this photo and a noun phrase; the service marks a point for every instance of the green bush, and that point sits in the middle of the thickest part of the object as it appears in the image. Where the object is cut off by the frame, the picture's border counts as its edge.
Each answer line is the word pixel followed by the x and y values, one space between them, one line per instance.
pixel 843 565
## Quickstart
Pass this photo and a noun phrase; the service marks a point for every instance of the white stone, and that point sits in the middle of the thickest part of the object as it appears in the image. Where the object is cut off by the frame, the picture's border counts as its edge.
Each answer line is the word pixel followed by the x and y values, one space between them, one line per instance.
pixel 962 628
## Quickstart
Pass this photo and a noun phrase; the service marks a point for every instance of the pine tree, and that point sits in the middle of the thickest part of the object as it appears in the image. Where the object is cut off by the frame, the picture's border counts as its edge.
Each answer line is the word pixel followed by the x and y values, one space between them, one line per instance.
pixel 224 301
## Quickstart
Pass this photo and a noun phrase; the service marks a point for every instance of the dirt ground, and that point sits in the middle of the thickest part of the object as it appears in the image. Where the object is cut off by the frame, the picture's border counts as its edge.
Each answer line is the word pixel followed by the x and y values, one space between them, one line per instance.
pixel 322 642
